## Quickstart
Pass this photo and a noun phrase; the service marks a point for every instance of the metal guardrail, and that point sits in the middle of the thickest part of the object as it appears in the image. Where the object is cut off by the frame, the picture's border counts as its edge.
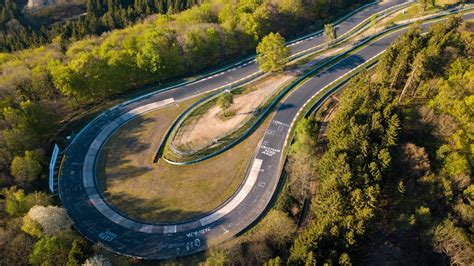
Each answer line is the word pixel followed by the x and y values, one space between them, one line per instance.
pixel 206 75
pixel 288 88
pixel 359 27
pixel 336 84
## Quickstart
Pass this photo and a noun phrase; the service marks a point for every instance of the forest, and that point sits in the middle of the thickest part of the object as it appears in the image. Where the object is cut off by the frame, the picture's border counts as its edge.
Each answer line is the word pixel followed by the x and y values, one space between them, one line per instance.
pixel 61 79
pixel 19 29
pixel 394 183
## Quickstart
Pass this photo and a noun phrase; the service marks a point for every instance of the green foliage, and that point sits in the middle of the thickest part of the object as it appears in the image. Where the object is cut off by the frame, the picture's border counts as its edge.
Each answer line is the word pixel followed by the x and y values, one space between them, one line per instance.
pixel 272 54
pixel 26 168
pixel 216 258
pixel 277 228
pixel 373 20
pixel 19 30
pixel 259 245
pixel 363 134
pixel 15 246
pixel 423 215
pixel 18 203
pixel 452 241
pixel 76 254
pixel 305 137
pixel 32 227
pixel 49 251
pixel 469 194
pixel 274 262
pixel 302 159
pixel 225 101
pixel 156 50
pixel 29 126
pixel 159 49
pixel 345 259
pixel 360 136
pixel 292 7
pixel 330 33
pixel 423 197
pixel 427 3
pixel 310 260
pixel 58 77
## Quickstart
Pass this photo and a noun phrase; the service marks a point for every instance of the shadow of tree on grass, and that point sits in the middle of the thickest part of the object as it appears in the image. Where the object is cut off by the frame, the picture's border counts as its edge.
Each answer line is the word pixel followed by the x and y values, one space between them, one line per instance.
pixel 146 210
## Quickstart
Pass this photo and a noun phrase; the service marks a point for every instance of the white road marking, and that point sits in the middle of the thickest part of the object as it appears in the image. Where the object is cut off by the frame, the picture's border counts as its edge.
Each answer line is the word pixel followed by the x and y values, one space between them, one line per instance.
pixel 249 183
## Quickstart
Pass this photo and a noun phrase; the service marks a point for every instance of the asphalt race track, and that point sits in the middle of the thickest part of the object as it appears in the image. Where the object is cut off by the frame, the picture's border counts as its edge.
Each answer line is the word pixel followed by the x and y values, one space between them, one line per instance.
pixel 99 222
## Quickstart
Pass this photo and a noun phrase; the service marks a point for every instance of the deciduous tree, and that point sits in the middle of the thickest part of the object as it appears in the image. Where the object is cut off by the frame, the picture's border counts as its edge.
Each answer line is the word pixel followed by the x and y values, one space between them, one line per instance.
pixel 26 168
pixel 225 101
pixel 52 219
pixel 330 33
pixel 272 53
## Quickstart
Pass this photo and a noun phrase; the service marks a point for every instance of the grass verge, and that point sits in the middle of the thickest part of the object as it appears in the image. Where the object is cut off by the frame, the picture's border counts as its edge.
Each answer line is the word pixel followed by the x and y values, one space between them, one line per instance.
pixel 161 192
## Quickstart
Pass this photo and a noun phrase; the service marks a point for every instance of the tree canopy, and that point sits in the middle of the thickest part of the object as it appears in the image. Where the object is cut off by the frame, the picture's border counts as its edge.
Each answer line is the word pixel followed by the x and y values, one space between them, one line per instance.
pixel 398 159
pixel 225 101
pixel 272 53
pixel 330 33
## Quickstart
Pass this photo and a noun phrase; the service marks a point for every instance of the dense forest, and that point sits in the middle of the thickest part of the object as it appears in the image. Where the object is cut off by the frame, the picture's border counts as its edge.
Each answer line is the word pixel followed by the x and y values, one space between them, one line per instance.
pixel 394 184
pixel 43 88
pixel 20 30
pixel 390 183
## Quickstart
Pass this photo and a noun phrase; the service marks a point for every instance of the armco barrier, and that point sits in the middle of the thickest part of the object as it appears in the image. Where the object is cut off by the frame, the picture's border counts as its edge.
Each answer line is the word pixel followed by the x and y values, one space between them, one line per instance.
pixel 184 114
pixel 276 100
pixel 362 25
pixel 119 106
pixel 337 84
pixel 286 90
pixel 342 19
pixel 341 39
pixel 358 28
pixel 206 75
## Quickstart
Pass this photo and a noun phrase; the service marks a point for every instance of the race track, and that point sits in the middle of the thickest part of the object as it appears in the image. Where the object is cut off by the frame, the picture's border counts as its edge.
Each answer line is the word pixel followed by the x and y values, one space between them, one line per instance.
pixel 99 222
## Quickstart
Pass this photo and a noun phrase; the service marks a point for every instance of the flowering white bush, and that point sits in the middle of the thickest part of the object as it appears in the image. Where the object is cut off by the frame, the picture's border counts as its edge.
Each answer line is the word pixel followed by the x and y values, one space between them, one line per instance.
pixel 52 219
pixel 97 260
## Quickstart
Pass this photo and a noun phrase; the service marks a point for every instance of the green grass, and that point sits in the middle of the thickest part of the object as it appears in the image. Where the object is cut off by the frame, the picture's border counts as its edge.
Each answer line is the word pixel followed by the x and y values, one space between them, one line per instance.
pixel 414 11
pixel 161 192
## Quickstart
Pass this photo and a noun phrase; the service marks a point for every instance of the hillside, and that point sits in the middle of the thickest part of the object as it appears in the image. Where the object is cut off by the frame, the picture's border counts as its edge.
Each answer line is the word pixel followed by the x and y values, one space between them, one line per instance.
pixel 37 5
pixel 48 92
pixel 38 22
pixel 395 183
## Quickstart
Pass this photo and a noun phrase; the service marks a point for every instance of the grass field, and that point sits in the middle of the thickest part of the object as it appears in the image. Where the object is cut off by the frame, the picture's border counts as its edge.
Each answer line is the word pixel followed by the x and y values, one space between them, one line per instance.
pixel 161 192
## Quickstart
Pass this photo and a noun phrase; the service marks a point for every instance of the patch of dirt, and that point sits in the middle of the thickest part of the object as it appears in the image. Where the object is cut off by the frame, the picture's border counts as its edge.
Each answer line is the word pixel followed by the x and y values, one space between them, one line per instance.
pixel 211 126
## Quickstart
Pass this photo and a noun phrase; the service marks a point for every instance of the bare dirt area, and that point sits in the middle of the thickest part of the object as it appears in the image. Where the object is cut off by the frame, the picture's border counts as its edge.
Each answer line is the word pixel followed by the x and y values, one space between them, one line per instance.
pixel 201 131
pixel 161 192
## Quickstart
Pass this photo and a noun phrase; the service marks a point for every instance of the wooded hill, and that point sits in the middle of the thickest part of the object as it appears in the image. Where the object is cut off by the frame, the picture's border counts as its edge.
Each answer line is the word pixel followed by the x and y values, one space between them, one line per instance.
pixel 20 29
pixel 395 184
pixel 42 89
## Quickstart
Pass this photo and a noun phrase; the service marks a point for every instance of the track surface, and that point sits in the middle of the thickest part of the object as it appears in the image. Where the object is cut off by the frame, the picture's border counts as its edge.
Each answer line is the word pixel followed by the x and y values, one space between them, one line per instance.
pixel 155 241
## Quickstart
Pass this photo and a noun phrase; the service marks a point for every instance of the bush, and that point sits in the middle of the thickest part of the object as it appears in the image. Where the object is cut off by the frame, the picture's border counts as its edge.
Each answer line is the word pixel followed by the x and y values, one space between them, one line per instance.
pixel 26 168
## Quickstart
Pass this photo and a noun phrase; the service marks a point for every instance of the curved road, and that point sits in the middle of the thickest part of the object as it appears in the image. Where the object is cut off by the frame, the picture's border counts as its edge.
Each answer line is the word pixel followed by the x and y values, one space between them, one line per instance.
pixel 97 221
